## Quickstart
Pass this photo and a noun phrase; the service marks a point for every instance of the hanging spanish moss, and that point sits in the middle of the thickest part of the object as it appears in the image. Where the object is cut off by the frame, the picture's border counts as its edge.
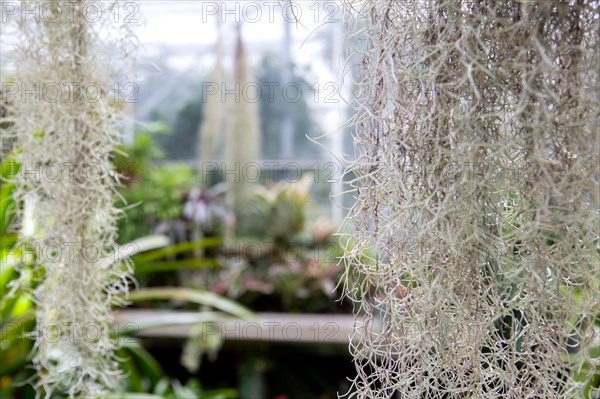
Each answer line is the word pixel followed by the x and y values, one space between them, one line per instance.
pixel 477 188
pixel 65 136
pixel 213 123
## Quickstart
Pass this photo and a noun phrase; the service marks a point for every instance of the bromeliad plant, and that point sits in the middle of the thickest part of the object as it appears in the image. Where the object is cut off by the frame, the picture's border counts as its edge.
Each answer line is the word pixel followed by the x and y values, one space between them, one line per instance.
pixel 278 261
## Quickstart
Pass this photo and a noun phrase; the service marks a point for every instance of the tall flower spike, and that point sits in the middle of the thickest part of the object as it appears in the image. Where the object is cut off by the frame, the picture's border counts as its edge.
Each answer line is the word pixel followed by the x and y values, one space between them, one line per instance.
pixel 64 139
pixel 243 140
pixel 477 188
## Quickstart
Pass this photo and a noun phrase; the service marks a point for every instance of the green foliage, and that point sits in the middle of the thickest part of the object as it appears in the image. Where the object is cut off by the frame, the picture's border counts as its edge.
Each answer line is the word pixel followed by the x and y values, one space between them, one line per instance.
pixel 283 206
pixel 143 373
pixel 144 376
pixel 17 316
pixel 135 160
pixel 154 192
pixel 196 296
pixel 165 389
pixel 280 260
pixel 298 272
pixel 163 259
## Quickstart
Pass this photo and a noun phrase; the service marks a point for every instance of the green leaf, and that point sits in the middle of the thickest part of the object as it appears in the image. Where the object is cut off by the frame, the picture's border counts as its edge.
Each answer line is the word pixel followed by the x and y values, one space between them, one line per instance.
pixel 144 361
pixel 226 393
pixel 176 249
pixel 151 267
pixel 14 365
pixel 159 319
pixel 127 365
pixel 134 395
pixel 141 245
pixel 195 296
pixel 182 392
pixel 162 387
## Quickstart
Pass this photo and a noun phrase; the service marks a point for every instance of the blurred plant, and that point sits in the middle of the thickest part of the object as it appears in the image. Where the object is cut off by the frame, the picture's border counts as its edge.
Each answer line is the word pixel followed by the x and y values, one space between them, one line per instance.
pixel 201 341
pixel 172 389
pixel 213 121
pixel 142 373
pixel 17 314
pixel 297 270
pixel 282 204
pixel 278 262
pixel 155 199
pixel 153 193
pixel 135 160
pixel 204 209
pixel 243 138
